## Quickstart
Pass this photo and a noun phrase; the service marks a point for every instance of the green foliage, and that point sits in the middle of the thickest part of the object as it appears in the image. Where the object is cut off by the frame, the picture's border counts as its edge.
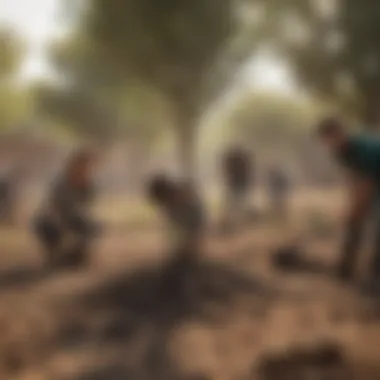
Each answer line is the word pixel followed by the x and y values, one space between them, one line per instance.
pixel 77 110
pixel 15 105
pixel 14 101
pixel 171 44
pixel 265 118
pixel 11 49
pixel 334 48
pixel 184 50
pixel 90 100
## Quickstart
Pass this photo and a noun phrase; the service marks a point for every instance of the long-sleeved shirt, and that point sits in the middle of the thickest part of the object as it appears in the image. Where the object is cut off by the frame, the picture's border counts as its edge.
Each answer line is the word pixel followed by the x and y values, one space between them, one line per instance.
pixel 67 205
pixel 362 155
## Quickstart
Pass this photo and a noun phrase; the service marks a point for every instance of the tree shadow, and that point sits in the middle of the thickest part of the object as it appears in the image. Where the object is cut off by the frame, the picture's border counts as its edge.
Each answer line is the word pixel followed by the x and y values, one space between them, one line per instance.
pixel 176 290
pixel 150 304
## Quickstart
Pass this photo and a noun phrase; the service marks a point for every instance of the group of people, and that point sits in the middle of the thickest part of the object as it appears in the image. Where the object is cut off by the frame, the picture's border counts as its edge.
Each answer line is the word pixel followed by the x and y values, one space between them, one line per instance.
pixel 240 174
pixel 65 228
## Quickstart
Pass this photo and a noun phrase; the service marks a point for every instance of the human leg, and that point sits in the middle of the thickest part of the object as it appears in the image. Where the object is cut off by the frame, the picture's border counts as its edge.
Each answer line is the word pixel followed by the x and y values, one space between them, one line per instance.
pixel 50 238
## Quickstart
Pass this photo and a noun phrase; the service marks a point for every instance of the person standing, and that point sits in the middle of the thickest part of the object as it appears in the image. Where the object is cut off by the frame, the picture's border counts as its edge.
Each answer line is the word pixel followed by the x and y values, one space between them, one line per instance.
pixel 238 174
pixel 8 197
pixel 360 155
pixel 278 191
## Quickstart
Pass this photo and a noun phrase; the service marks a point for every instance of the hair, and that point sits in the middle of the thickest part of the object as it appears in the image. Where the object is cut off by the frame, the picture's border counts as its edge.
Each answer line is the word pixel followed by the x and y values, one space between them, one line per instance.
pixel 160 188
pixel 329 126
pixel 77 158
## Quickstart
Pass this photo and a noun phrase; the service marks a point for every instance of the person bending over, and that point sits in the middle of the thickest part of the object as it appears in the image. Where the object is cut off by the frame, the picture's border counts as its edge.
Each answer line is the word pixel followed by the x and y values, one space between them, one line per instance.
pixel 278 191
pixel 183 210
pixel 360 155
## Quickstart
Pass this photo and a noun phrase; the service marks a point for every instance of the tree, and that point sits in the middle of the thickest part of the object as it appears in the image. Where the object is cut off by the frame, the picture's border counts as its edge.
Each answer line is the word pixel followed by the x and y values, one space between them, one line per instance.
pixel 15 105
pixel 334 49
pixel 269 122
pixel 77 111
pixel 14 101
pixel 278 129
pixel 185 50
pixel 11 49
pixel 89 100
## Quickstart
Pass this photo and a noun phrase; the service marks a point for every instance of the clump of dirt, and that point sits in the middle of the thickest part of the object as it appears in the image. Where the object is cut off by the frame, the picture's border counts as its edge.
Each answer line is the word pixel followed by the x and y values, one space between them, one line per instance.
pixel 293 259
pixel 325 360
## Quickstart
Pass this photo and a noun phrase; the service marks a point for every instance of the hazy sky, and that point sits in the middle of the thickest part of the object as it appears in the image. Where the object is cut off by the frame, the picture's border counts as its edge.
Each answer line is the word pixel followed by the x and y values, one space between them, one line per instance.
pixel 38 21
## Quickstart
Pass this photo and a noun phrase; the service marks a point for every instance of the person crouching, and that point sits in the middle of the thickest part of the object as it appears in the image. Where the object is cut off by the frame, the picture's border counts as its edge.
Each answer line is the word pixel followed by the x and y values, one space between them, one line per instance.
pixel 64 226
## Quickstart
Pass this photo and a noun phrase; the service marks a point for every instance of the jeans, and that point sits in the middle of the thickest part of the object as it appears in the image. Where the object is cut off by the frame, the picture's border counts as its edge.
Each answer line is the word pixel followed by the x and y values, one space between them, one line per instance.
pixel 351 248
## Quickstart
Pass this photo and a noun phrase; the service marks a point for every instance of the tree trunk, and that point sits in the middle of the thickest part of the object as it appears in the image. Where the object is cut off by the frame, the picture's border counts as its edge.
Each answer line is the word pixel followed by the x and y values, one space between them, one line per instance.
pixel 186 132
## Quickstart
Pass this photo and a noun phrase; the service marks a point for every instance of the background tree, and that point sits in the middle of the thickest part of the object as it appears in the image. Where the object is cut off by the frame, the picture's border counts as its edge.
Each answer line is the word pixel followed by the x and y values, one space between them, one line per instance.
pixel 88 99
pixel 184 50
pixel 12 50
pixel 14 100
pixel 334 49
pixel 277 128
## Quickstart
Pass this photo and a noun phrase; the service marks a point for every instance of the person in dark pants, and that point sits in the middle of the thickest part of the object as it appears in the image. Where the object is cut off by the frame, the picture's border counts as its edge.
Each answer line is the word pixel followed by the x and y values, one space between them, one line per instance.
pixel 63 225
pixel 5 198
pixel 278 191
pixel 183 210
pixel 9 184
pixel 238 174
pixel 360 154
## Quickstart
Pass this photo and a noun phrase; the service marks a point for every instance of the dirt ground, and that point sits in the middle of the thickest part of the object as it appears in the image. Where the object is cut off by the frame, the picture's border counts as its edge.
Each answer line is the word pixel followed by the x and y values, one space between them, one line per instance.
pixel 132 315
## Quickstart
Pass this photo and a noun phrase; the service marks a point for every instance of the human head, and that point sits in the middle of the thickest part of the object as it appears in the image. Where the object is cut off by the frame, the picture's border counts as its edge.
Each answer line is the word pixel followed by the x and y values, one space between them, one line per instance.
pixel 78 169
pixel 332 133
pixel 160 189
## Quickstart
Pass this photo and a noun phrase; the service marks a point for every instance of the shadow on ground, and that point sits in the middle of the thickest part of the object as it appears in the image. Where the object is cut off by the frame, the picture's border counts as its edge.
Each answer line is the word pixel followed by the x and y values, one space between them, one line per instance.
pixel 145 308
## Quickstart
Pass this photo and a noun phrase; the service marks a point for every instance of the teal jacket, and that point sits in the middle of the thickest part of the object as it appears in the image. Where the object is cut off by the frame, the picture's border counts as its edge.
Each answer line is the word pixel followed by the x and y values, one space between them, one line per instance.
pixel 362 155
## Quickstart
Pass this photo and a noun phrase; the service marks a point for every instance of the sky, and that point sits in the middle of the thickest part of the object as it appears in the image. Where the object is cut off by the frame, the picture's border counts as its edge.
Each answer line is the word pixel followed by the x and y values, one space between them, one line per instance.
pixel 39 21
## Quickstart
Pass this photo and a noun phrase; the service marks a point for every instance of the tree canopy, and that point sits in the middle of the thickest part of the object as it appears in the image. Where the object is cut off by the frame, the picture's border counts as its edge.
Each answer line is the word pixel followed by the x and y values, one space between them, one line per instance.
pixel 12 49
pixel 334 49
pixel 184 50
pixel 14 101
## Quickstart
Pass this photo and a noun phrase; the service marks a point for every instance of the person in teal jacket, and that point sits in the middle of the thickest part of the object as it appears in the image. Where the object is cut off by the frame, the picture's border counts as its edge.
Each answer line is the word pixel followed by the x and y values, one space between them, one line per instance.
pixel 360 155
